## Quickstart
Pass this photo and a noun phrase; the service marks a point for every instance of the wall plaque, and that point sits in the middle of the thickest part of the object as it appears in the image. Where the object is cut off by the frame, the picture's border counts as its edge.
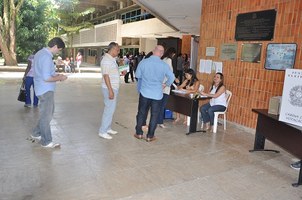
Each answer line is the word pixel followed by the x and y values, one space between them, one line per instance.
pixel 228 51
pixel 255 25
pixel 251 52
pixel 280 56
pixel 210 51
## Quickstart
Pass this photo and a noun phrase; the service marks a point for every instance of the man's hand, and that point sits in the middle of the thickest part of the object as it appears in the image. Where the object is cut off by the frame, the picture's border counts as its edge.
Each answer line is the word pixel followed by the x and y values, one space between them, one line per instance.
pixel 62 77
pixel 111 94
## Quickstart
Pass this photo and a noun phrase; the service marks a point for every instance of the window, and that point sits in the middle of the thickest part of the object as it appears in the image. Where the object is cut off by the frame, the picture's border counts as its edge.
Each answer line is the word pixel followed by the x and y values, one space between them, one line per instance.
pixel 135 15
pixel 92 52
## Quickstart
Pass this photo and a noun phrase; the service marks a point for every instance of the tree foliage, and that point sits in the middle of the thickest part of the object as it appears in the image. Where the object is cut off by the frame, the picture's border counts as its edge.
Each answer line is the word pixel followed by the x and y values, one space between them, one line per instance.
pixel 69 15
pixel 26 26
pixel 33 28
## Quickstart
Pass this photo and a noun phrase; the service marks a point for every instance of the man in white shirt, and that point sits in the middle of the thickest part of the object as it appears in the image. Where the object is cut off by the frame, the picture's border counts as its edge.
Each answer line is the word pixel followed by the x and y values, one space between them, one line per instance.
pixel 110 87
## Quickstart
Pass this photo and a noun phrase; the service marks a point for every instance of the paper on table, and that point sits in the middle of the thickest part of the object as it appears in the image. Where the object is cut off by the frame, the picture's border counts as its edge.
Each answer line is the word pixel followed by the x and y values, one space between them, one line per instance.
pixel 179 91
pixel 175 86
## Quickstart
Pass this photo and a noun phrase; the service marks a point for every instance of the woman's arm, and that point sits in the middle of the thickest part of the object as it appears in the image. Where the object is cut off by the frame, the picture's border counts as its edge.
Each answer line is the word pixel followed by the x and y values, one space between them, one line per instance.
pixel 217 94
pixel 27 69
pixel 194 88
pixel 183 84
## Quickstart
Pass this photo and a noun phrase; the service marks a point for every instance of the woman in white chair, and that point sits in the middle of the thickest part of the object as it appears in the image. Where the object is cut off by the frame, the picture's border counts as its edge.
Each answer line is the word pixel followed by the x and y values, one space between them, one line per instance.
pixel 217 101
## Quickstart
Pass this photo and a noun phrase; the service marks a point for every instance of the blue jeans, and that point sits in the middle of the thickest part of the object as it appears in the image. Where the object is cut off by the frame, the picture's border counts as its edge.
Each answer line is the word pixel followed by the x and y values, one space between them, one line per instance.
pixel 207 112
pixel 46 110
pixel 164 100
pixel 29 81
pixel 109 108
pixel 144 105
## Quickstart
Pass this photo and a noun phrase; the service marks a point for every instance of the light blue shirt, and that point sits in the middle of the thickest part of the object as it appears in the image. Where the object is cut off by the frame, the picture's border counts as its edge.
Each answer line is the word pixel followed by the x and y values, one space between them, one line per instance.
pixel 151 73
pixel 43 70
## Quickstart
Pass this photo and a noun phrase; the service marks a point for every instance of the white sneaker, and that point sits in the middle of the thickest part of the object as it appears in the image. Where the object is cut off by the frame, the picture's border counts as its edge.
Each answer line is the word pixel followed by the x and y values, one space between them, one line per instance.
pixel 35 137
pixel 105 135
pixel 162 126
pixel 52 145
pixel 110 131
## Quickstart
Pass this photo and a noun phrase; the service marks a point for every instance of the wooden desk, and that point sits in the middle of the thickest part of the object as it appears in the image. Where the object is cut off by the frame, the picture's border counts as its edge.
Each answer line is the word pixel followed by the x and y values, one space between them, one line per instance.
pixel 182 103
pixel 287 136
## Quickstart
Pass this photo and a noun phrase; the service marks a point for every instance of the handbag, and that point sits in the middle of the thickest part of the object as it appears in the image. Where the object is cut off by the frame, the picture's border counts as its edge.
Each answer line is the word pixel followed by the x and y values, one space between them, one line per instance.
pixel 22 93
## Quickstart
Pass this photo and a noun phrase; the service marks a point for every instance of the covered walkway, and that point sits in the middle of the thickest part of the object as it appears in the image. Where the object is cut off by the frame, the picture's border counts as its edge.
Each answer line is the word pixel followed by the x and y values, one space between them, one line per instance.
pixel 199 166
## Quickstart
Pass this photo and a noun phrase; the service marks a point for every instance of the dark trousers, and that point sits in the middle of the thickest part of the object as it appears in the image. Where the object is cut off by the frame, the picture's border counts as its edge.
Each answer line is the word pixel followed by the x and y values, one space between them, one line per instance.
pixel 144 105
pixel 179 74
pixel 126 77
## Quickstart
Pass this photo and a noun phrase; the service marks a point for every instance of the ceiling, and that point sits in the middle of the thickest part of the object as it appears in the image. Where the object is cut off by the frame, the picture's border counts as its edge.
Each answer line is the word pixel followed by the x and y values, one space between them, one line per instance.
pixel 181 15
pixel 101 5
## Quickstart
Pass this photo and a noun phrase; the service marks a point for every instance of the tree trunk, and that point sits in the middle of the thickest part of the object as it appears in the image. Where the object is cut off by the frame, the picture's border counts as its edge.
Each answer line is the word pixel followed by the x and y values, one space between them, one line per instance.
pixel 8 30
pixel 12 34
pixel 9 60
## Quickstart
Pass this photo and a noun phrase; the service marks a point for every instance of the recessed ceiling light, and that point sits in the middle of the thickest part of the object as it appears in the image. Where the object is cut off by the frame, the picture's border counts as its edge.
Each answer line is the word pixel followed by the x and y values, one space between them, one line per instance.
pixel 186 27
pixel 177 17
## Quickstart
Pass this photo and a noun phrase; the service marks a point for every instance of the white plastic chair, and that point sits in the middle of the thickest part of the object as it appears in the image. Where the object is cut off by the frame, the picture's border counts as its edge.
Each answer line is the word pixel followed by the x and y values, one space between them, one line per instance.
pixel 201 88
pixel 216 114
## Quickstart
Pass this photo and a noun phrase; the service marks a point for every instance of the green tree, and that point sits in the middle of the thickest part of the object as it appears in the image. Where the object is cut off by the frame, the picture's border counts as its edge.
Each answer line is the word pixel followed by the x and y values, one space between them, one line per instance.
pixel 69 13
pixel 8 16
pixel 34 27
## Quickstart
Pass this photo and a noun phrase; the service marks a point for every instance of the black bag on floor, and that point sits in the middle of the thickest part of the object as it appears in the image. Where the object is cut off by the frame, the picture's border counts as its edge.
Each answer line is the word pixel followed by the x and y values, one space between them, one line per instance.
pixel 22 93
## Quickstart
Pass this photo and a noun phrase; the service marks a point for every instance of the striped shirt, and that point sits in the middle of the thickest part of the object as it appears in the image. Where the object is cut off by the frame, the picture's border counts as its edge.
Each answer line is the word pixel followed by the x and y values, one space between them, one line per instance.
pixel 110 67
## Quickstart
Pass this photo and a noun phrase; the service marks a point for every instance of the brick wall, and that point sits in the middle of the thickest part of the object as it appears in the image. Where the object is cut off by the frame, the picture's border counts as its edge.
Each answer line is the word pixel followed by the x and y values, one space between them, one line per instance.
pixel 251 84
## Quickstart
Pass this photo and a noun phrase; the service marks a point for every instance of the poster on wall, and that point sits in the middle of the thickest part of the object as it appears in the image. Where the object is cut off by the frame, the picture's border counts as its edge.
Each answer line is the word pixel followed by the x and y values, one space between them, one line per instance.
pixel 251 52
pixel 291 103
pixel 205 66
pixel 280 56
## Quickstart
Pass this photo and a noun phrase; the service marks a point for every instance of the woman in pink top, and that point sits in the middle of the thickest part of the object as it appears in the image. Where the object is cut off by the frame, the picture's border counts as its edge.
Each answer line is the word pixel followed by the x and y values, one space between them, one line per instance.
pixel 79 58
pixel 29 82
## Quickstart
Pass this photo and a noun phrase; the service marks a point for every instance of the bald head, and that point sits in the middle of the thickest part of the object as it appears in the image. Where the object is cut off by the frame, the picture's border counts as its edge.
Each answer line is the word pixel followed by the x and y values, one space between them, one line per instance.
pixel 159 51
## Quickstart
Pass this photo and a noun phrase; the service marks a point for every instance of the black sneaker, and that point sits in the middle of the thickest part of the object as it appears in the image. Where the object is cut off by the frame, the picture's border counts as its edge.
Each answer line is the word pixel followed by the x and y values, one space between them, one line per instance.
pixel 296 165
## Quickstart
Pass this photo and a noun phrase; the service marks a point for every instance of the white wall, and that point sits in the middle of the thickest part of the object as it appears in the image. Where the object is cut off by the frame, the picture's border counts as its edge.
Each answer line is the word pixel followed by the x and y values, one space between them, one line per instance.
pixel 100 35
pixel 146 28
pixel 147 44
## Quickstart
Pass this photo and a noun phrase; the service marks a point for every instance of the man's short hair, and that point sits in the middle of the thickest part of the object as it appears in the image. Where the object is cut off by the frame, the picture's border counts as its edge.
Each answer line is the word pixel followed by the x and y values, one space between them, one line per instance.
pixel 56 41
pixel 111 45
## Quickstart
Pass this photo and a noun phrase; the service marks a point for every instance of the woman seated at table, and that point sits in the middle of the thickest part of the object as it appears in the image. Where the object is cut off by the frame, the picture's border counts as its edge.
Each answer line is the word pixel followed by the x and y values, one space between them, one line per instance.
pixel 217 102
pixel 190 86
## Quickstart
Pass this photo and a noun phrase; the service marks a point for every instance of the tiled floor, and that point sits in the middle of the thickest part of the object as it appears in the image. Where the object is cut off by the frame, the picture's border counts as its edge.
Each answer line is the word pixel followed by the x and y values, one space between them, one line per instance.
pixel 199 166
